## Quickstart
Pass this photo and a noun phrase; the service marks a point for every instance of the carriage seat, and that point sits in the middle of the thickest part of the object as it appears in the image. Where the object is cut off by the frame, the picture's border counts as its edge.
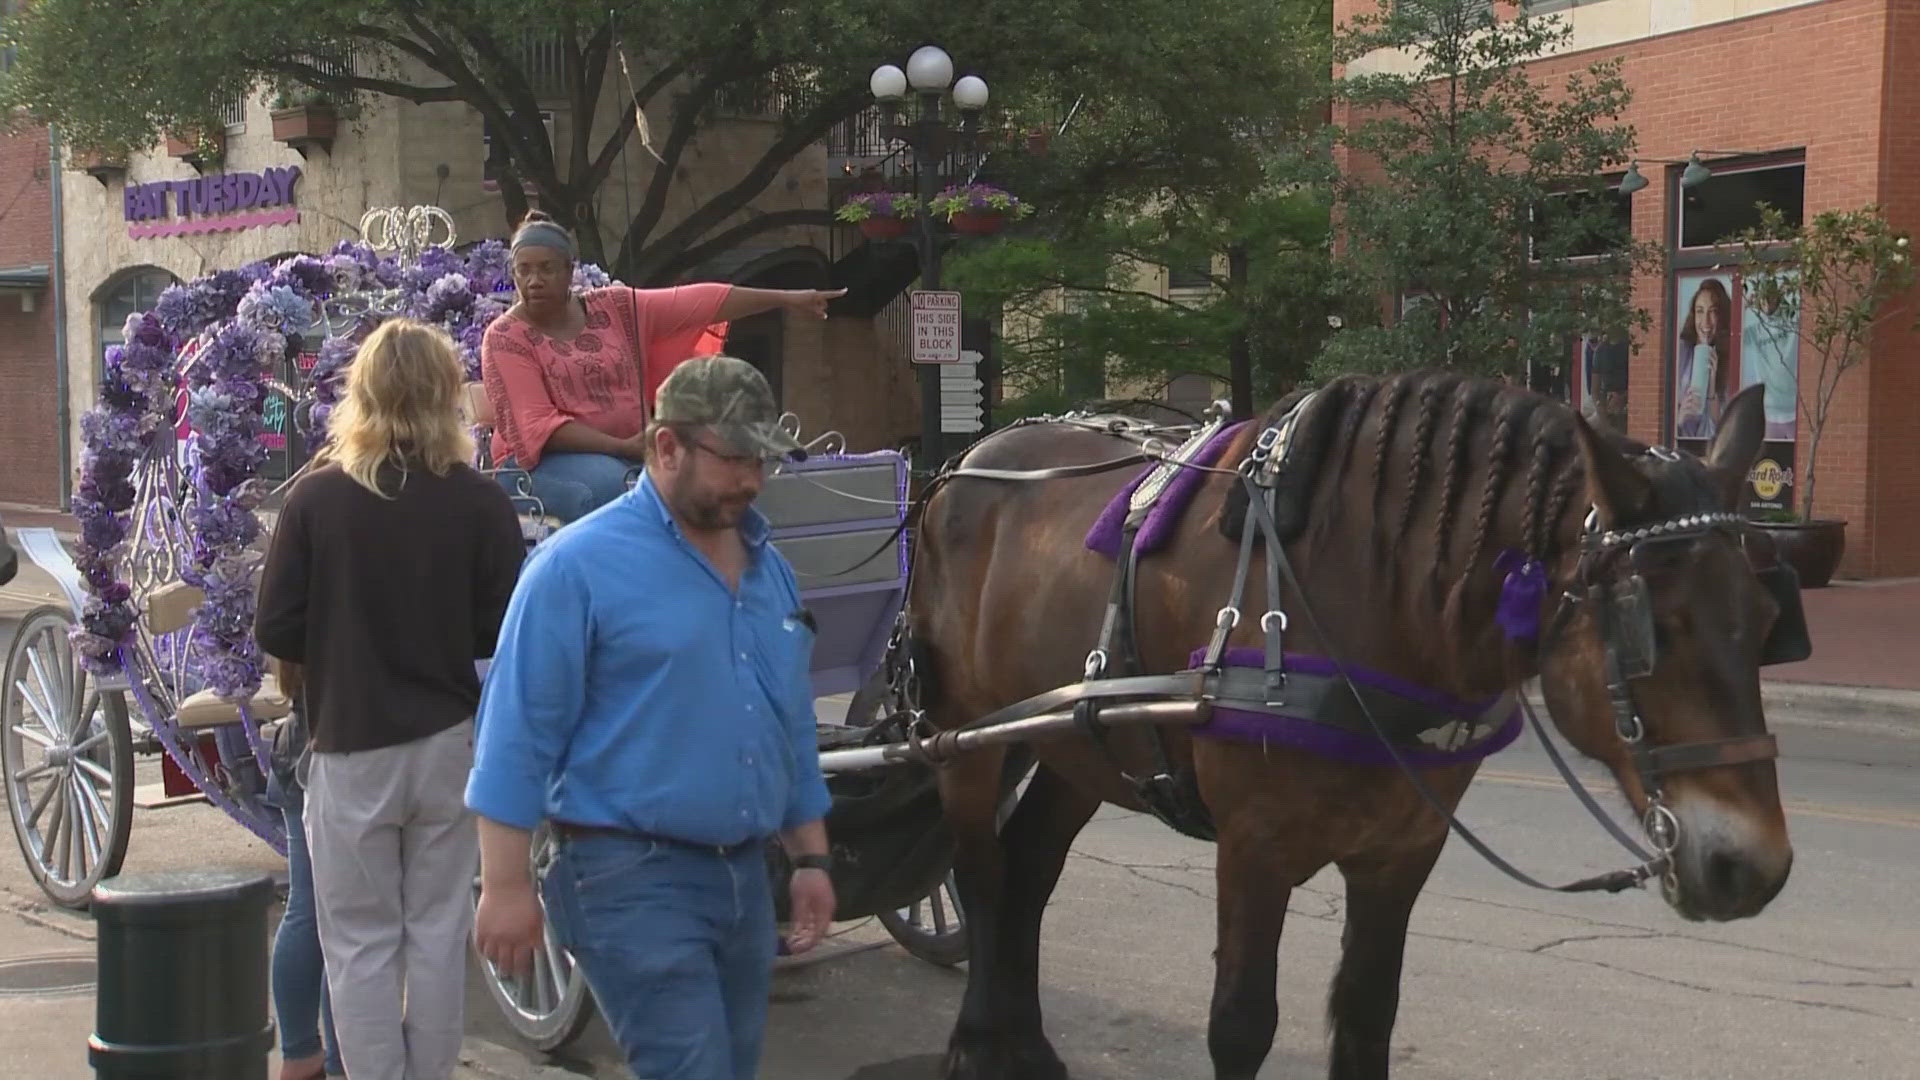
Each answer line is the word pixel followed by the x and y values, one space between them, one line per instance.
pixel 479 411
pixel 206 709
pixel 170 607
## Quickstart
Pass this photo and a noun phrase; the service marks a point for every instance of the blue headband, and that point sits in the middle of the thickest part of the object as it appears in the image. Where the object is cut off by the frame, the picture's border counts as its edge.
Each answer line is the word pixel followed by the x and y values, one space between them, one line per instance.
pixel 544 234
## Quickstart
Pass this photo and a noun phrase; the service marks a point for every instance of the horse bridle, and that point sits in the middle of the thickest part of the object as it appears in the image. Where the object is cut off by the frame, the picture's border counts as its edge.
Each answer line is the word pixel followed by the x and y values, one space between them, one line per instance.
pixel 1608 579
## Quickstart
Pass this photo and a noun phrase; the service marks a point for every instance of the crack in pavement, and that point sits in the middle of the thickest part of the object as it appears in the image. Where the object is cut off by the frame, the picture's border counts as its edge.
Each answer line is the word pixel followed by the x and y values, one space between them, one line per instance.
pixel 1577 938
pixel 1678 935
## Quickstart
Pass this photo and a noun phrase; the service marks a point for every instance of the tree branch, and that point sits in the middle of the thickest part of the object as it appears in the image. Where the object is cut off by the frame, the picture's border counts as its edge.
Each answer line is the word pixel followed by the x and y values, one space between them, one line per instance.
pixel 326 80
pixel 747 230
pixel 630 121
pixel 685 124
pixel 725 204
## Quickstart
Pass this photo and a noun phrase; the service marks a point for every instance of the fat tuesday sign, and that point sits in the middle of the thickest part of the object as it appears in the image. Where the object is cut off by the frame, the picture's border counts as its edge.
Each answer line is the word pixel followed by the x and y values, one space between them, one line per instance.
pixel 211 203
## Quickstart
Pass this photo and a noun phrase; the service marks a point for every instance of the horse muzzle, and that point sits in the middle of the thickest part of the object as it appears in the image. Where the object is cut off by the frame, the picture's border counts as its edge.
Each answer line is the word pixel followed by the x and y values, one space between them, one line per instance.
pixel 1727 866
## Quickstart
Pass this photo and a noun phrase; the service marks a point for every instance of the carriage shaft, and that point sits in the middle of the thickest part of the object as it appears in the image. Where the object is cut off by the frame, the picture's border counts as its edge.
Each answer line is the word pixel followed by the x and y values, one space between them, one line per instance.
pixel 940 746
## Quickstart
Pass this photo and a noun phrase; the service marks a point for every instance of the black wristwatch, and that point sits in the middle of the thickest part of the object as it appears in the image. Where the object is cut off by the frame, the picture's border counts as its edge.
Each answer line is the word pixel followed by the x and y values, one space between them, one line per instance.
pixel 813 862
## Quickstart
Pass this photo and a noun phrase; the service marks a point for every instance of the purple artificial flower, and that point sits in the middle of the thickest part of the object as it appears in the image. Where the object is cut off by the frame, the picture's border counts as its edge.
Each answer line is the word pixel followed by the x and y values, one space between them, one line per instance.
pixel 304 274
pixel 445 297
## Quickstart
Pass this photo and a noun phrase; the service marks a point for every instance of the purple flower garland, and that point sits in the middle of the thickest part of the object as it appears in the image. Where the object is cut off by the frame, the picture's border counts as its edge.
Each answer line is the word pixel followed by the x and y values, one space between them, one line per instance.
pixel 247 323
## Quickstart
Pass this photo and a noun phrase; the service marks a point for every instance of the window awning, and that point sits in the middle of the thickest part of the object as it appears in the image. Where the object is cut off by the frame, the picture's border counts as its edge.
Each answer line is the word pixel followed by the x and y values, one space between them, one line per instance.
pixel 24 278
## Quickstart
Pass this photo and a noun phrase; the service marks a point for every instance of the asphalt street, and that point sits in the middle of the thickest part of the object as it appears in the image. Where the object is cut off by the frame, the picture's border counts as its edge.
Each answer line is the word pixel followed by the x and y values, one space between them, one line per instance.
pixel 1500 981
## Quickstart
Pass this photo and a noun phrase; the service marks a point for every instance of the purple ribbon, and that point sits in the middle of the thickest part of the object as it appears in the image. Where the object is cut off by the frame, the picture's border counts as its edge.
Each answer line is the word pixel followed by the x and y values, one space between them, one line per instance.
pixel 1520 594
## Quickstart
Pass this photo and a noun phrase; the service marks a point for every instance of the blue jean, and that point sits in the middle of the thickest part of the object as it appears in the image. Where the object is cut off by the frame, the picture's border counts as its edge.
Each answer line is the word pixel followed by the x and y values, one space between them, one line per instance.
pixel 302 1011
pixel 677 944
pixel 570 486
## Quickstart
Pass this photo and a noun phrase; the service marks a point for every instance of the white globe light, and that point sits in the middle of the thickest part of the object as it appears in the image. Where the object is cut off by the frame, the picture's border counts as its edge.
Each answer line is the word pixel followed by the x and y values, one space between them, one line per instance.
pixel 888 83
pixel 970 93
pixel 930 68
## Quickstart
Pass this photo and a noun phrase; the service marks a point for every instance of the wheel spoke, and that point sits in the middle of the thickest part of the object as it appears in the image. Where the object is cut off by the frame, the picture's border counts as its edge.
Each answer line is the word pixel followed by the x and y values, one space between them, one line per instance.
pixel 95 770
pixel 97 806
pixel 77 677
pixel 36 706
pixel 45 742
pixel 50 690
pixel 87 840
pixel 55 847
pixel 541 983
pixel 939 909
pixel 91 741
pixel 40 807
pixel 21 776
pixel 556 970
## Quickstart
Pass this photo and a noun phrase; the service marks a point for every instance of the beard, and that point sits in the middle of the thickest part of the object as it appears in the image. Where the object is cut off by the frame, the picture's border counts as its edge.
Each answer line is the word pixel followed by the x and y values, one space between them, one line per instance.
pixel 706 511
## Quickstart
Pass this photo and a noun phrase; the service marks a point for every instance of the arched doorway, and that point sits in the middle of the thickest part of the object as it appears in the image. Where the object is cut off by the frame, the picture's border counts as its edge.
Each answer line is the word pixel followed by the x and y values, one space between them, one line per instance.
pixel 132 290
pixel 760 340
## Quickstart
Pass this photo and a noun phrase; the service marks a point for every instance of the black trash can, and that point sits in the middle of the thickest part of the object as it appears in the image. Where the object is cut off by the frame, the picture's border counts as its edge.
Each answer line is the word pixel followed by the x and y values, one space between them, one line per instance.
pixel 182 976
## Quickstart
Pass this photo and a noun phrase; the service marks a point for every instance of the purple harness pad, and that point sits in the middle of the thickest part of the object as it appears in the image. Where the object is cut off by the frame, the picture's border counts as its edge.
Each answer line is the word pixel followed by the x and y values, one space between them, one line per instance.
pixel 1104 536
pixel 1339 744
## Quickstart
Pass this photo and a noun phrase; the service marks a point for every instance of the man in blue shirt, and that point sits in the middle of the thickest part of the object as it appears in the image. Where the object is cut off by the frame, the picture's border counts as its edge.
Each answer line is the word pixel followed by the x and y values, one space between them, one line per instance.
pixel 651 698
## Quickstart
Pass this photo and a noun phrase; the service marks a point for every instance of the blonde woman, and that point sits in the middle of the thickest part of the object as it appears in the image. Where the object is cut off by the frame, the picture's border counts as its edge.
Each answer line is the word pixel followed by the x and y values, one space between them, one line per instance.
pixel 388 575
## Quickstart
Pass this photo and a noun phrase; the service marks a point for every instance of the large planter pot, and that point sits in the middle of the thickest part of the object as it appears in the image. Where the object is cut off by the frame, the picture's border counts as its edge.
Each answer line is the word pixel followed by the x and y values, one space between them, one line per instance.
pixel 977 223
pixel 1812 548
pixel 883 228
pixel 188 149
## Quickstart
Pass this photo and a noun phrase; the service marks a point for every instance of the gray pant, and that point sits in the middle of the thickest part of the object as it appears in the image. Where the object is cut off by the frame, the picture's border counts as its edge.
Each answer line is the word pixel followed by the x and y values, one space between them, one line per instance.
pixel 394 854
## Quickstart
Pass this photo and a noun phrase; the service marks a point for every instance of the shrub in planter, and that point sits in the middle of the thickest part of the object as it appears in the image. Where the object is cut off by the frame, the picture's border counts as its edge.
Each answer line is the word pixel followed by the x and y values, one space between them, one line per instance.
pixel 1827 286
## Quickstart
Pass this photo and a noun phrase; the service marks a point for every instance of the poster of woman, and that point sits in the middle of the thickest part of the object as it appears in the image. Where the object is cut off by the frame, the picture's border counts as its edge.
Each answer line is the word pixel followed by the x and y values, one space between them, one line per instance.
pixel 1770 346
pixel 1704 364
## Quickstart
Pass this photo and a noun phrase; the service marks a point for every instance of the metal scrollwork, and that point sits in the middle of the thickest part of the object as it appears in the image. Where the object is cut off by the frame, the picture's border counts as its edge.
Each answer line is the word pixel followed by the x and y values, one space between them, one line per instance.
pixel 406 231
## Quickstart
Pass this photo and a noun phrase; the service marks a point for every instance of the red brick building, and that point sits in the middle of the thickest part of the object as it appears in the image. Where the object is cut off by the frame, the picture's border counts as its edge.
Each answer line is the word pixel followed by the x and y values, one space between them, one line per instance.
pixel 1810 105
pixel 30 363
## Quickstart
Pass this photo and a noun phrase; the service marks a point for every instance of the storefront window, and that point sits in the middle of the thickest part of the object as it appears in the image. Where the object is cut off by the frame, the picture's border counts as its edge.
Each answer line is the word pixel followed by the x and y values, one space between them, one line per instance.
pixel 1720 340
pixel 1728 202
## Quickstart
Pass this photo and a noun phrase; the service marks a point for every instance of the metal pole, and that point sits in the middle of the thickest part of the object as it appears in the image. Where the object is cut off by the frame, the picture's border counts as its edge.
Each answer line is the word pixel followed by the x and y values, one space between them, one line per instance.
pixel 926 141
pixel 62 407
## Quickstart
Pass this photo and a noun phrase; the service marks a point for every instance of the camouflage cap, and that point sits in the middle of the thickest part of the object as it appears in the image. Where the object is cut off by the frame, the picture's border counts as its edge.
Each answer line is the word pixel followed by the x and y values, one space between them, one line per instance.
pixel 730 396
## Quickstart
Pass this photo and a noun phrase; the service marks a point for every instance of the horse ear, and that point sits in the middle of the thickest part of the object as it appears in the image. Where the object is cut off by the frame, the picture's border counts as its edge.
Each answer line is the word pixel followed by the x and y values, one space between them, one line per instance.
pixel 1618 490
pixel 1736 444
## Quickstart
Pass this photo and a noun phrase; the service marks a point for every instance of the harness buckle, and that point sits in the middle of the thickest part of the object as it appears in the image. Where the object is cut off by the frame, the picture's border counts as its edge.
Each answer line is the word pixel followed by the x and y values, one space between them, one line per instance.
pixel 1096 663
pixel 1228 618
pixel 1267 621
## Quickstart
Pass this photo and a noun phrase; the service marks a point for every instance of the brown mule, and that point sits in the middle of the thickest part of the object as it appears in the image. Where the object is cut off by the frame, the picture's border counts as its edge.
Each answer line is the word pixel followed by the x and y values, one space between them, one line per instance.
pixel 1416 483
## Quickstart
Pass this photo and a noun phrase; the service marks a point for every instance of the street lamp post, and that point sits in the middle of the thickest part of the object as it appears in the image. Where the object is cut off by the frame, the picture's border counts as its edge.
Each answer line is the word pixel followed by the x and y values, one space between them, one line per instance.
pixel 928 76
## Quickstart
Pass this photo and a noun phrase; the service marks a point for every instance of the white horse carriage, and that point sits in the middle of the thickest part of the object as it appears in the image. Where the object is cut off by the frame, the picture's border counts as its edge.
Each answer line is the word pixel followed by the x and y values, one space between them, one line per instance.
pixel 151 658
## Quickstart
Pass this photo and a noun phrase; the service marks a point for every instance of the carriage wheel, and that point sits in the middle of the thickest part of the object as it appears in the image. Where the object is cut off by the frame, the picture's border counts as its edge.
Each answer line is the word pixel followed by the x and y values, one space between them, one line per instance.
pixel 550 1007
pixel 67 756
pixel 932 928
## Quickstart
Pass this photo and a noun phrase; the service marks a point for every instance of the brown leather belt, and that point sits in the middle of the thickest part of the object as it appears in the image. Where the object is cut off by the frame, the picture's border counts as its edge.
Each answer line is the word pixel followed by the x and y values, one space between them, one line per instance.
pixel 568 830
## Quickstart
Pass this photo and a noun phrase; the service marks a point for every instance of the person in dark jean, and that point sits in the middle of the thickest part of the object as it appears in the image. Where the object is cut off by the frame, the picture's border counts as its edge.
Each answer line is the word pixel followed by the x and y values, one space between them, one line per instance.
pixel 652 699
pixel 389 572
pixel 308 1048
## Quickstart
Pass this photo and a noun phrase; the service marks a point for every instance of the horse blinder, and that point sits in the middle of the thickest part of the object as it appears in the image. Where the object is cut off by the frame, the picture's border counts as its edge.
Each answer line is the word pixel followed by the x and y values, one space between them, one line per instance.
pixel 1789 641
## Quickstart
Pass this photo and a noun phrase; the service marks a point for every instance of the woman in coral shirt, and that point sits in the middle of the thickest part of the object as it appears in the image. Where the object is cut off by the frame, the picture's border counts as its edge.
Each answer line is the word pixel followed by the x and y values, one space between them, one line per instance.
pixel 571 378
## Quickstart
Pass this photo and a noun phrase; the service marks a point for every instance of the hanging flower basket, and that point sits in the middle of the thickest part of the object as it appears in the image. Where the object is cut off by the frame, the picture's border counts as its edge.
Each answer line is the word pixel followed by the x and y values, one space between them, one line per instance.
pixel 978 209
pixel 881 215
pixel 978 222
pixel 883 228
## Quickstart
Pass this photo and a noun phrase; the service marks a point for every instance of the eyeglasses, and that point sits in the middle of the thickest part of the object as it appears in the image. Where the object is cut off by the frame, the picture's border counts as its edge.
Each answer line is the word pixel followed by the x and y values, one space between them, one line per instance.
pixel 738 461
